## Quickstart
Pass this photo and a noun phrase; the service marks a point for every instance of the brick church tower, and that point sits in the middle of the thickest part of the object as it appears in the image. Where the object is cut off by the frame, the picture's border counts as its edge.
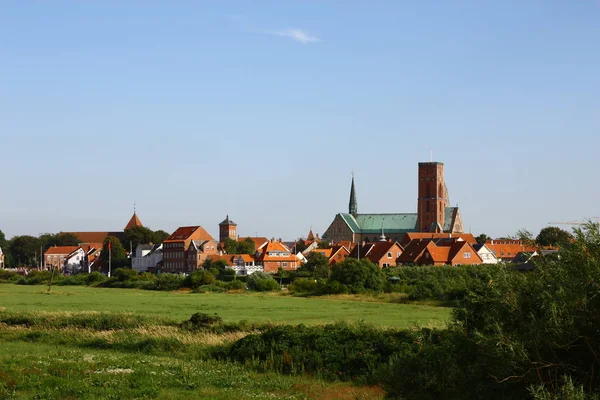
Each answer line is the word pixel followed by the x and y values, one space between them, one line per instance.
pixel 433 199
pixel 227 229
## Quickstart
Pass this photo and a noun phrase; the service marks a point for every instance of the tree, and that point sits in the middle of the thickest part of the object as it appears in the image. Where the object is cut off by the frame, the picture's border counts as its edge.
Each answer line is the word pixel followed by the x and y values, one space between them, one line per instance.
pixel 159 236
pixel 317 264
pixel 3 242
pixel 525 236
pixel 58 239
pixel 357 276
pixel 324 245
pixel 23 250
pixel 262 282
pixel 137 235
pixel 246 247
pixel 553 236
pixel 231 246
pixel 116 253
pixel 300 245
pixel 482 238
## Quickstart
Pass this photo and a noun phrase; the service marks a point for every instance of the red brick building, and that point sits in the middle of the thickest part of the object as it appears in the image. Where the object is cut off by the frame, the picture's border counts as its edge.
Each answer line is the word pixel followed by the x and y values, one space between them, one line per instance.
pixel 275 255
pixel 175 247
pixel 383 253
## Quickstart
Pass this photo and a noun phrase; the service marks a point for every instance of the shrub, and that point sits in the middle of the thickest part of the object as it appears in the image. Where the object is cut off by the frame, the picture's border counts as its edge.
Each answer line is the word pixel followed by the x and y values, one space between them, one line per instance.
pixel 125 274
pixel 235 285
pixel 94 278
pixel 262 282
pixel 199 278
pixel 338 351
pixel 356 276
pixel 9 276
pixel 304 285
pixel 166 282
pixel 201 321
pixel 210 289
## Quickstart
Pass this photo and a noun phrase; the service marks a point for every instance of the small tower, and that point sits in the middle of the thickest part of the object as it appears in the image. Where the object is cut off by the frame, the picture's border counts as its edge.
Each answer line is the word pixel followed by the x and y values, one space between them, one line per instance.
pixel 227 229
pixel 382 238
pixel 353 205
pixel 432 201
pixel 134 221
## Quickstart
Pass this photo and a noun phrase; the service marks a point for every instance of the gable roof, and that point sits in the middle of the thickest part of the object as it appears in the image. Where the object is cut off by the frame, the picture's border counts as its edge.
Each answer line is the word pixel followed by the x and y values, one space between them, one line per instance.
pixel 185 232
pixel 414 250
pixel 410 236
pixel 133 222
pixel 326 252
pixel 60 250
pixel 379 250
pixel 95 237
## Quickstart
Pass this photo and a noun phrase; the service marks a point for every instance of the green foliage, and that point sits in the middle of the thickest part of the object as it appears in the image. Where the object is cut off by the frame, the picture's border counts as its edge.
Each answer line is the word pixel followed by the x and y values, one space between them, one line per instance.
pixel 443 283
pixel 356 276
pixel 304 285
pixel 234 247
pixel 35 278
pixel 9 276
pixel 199 278
pixel 23 249
pixel 166 282
pixel 262 282
pixel 482 238
pixel 300 245
pixel 159 236
pixel 117 253
pixel 338 351
pixel 553 236
pixel 137 235
pixel 317 265
pixel 3 242
pixel 58 239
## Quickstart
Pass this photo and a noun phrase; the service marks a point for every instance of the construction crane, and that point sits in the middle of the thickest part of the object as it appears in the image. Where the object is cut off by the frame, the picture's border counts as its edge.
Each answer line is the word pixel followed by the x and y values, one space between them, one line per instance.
pixel 575 222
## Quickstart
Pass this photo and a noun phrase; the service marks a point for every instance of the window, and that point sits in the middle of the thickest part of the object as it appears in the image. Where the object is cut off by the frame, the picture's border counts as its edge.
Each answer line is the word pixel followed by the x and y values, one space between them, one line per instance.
pixel 390 255
pixel 467 254
pixel 284 264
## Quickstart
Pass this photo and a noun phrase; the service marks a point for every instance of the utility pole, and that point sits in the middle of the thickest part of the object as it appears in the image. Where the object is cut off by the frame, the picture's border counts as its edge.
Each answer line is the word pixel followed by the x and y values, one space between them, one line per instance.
pixel 109 257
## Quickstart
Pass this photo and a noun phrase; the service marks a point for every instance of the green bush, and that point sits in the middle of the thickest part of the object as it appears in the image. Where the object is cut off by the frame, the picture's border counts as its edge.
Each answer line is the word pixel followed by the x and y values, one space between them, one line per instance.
pixel 304 285
pixel 199 278
pixel 210 289
pixel 235 285
pixel 166 282
pixel 338 351
pixel 9 276
pixel 35 278
pixel 262 282
pixel 355 276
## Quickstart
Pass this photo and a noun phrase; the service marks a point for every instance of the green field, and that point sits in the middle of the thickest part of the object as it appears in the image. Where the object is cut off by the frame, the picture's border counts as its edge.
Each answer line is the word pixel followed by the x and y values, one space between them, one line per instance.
pixel 92 343
pixel 231 307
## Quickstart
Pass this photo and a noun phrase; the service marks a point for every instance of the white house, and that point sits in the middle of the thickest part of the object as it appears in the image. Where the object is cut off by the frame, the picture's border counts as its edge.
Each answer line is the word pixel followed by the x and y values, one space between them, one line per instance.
pixel 146 256
pixel 487 255
pixel 2 259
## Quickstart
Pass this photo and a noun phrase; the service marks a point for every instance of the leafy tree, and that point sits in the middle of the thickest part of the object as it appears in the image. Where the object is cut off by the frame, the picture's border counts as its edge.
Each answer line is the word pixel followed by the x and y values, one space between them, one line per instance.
pixel 262 282
pixel 23 250
pixel 231 246
pixel 3 242
pixel 300 245
pixel 159 236
pixel 526 237
pixel 553 236
pixel 117 254
pixel 137 235
pixel 199 278
pixel 324 245
pixel 356 276
pixel 317 264
pixel 58 239
pixel 246 247
pixel 482 238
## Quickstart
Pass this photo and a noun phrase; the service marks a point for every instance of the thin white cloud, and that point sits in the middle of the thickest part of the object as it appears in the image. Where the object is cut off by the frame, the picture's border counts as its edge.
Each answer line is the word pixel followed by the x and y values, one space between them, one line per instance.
pixel 296 34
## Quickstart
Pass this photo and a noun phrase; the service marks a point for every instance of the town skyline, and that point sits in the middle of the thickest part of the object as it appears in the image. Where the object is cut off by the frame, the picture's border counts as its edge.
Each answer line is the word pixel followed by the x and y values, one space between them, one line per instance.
pixel 262 111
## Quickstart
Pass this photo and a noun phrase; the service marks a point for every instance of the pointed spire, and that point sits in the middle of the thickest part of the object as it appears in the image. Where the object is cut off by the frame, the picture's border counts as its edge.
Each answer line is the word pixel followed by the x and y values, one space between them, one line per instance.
pixel 382 238
pixel 353 205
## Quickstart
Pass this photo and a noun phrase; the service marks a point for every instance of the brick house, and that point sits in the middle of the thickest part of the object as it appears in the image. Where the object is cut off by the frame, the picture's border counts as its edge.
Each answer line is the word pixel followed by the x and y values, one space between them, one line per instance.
pixel 175 247
pixel 507 250
pixel 439 252
pixel 56 256
pixel 200 250
pixel 275 255
pixel 382 253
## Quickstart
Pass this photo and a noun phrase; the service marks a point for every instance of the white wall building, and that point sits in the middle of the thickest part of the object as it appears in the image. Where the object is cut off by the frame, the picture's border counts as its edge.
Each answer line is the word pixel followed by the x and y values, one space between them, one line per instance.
pixel 487 255
pixel 2 265
pixel 146 256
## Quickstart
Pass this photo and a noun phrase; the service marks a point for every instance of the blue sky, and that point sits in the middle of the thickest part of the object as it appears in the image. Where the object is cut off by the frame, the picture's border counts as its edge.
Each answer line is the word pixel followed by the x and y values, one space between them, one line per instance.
pixel 261 110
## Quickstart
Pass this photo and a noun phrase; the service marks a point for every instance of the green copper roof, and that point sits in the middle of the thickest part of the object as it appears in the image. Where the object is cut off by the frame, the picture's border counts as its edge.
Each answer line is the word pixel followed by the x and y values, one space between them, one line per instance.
pixel 349 219
pixel 391 223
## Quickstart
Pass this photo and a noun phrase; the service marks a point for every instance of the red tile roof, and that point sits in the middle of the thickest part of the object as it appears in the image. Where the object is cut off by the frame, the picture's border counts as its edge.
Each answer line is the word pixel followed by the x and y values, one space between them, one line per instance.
pixel 60 250
pixel 185 232
pixel 410 236
pixel 258 241
pixel 133 222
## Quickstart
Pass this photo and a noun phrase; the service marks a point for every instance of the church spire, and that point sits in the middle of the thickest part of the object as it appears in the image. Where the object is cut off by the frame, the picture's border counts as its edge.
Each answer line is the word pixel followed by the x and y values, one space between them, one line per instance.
pixel 353 205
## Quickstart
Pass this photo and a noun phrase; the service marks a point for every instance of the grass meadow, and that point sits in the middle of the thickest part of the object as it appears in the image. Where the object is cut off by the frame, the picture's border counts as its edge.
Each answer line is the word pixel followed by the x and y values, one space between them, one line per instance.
pixel 231 307
pixel 93 343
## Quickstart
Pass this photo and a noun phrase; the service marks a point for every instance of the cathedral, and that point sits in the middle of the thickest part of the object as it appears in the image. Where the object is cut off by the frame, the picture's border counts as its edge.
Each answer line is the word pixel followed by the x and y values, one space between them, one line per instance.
pixel 434 214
